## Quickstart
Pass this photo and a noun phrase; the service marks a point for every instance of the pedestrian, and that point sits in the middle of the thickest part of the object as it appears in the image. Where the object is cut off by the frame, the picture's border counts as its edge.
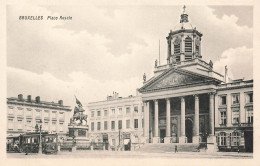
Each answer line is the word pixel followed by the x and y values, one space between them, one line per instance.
pixel 176 148
pixel 26 150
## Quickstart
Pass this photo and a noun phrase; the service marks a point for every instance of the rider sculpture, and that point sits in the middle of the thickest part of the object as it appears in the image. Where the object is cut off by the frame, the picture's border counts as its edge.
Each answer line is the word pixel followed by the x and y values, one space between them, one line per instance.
pixel 78 113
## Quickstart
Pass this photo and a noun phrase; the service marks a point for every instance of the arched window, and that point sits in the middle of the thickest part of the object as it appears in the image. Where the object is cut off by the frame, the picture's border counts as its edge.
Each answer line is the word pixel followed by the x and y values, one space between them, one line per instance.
pixel 177 45
pixel 222 139
pixel 235 137
pixel 188 44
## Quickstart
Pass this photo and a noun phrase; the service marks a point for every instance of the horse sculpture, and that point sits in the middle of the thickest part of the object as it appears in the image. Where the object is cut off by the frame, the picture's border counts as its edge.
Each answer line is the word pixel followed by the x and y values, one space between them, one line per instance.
pixel 78 113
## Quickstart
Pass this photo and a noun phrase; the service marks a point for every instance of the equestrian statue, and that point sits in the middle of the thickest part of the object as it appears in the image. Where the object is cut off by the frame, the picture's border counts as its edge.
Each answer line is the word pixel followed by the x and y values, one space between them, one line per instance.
pixel 78 113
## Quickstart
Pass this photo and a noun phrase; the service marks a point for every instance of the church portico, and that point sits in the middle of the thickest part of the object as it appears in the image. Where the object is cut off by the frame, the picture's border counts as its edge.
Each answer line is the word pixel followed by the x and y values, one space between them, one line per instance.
pixel 177 119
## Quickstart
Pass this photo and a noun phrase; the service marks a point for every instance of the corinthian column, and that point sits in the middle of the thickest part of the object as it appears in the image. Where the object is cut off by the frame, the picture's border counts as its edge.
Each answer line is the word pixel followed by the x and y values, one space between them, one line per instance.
pixel 195 138
pixel 168 121
pixel 146 120
pixel 212 138
pixel 182 139
pixel 211 114
pixel 156 119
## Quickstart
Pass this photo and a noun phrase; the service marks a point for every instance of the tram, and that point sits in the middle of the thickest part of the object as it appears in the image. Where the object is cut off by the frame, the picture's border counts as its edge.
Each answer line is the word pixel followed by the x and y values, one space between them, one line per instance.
pixel 29 143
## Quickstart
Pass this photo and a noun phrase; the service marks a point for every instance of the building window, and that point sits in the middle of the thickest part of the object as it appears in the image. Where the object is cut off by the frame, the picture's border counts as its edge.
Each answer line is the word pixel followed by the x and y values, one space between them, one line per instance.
pixel 62 115
pixel 136 109
pixel 142 108
pixel 92 113
pixel 46 125
pixel 29 112
pixel 53 126
pixel 235 116
pixel 142 123
pixel 105 125
pixel 112 125
pixel 128 124
pixel 249 113
pixel 136 123
pixel 222 139
pixel 92 126
pixel 223 117
pixel 10 124
pixel 188 44
pixel 120 112
pixel 29 122
pixel 61 126
pixel 10 111
pixel 54 114
pixel 113 111
pixel 99 113
pixel 235 98
pixel 127 110
pixel 223 100
pixel 178 58
pixel 98 126
pixel 249 98
pixel 105 112
pixel 177 46
pixel 197 49
pixel 38 113
pixel 235 139
pixel 120 124
pixel 28 125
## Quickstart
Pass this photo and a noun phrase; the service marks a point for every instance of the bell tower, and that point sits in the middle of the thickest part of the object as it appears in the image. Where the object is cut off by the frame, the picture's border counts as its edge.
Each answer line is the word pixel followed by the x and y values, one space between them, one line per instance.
pixel 184 42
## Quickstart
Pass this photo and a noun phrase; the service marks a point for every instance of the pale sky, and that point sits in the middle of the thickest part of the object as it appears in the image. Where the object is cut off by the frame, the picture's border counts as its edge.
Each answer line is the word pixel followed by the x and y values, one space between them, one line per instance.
pixel 108 48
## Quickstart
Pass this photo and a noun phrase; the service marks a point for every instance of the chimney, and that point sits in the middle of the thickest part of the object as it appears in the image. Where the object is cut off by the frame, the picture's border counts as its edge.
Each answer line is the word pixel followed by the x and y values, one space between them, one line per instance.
pixel 61 102
pixel 37 99
pixel 20 97
pixel 29 98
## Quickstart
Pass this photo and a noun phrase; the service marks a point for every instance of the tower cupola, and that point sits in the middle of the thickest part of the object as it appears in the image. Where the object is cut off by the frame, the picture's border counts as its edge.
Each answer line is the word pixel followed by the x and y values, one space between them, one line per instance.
pixel 183 42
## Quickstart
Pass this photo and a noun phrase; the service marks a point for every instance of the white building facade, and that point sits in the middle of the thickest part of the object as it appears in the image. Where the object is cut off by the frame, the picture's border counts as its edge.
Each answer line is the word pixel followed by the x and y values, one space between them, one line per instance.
pixel 24 114
pixel 117 121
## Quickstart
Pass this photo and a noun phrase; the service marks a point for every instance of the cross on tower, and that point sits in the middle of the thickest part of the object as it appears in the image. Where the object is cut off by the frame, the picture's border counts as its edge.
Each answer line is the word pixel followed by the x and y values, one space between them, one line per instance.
pixel 184 7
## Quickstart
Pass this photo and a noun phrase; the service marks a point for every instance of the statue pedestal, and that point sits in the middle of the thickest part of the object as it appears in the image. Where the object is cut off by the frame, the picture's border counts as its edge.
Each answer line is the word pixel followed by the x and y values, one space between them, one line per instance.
pixel 79 132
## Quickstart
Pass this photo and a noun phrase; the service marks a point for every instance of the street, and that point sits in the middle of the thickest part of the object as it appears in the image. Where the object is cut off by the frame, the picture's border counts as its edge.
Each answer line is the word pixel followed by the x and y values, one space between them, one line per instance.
pixel 134 154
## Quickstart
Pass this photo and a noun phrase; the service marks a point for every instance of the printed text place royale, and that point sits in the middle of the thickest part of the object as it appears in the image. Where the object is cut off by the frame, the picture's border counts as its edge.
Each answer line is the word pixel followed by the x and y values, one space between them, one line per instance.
pixel 59 18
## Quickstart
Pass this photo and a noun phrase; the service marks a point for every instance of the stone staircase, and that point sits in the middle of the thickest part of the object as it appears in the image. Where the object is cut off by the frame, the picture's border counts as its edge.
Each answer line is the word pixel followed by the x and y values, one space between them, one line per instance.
pixel 169 147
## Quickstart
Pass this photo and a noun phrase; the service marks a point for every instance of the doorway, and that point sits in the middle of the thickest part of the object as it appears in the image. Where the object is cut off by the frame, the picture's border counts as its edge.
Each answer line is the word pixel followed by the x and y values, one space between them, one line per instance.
pixel 105 141
pixel 188 130
pixel 248 141
pixel 162 135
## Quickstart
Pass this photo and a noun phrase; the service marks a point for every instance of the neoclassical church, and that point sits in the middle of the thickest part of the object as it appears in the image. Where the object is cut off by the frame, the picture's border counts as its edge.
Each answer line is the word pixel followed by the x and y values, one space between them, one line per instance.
pixel 185 102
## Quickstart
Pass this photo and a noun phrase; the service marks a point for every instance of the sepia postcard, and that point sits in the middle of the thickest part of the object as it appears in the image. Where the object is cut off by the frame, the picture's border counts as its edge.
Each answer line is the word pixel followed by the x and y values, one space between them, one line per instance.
pixel 129 83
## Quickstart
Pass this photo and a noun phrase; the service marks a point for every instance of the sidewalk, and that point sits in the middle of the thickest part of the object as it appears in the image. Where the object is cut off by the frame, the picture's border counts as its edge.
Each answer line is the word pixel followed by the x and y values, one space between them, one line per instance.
pixel 134 154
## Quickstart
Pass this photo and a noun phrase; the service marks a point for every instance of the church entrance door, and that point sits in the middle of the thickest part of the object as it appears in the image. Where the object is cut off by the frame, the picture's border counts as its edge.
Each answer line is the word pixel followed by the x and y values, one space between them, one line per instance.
pixel 188 130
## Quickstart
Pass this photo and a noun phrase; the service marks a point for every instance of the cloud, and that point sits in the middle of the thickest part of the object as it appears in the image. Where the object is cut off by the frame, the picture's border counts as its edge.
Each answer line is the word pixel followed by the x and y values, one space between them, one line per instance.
pixel 51 88
pixel 239 61
pixel 108 48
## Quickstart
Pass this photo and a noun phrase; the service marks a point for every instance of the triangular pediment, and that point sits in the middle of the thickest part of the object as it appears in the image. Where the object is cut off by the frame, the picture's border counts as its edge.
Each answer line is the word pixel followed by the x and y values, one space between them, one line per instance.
pixel 175 78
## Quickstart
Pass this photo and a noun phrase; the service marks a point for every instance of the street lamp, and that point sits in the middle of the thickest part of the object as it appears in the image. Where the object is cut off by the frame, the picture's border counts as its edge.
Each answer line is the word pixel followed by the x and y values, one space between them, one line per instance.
pixel 40 144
